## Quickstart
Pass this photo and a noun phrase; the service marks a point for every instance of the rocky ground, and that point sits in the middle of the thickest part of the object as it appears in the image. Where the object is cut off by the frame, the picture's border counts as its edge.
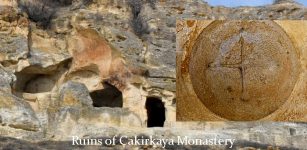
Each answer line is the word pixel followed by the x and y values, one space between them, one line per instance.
pixel 55 54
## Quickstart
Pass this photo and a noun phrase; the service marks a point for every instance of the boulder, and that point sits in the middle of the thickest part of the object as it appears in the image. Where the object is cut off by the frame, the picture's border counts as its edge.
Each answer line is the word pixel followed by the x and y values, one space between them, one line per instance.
pixel 17 113
pixel 74 94
pixel 47 53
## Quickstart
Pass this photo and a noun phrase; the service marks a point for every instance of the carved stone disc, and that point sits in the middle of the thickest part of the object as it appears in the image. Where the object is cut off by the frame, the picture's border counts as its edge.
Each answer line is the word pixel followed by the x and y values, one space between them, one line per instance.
pixel 243 70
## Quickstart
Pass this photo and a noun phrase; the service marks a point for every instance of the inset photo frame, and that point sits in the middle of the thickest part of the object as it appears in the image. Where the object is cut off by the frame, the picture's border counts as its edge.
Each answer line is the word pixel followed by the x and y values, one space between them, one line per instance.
pixel 241 70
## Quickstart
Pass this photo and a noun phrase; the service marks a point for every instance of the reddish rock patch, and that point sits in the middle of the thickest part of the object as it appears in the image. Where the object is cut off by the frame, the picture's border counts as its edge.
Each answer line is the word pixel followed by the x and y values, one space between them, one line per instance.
pixel 93 53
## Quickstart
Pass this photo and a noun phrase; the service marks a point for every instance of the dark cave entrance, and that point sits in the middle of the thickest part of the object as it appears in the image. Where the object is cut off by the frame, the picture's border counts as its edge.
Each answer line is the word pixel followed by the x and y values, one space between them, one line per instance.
pixel 110 96
pixel 33 83
pixel 155 112
pixel 28 85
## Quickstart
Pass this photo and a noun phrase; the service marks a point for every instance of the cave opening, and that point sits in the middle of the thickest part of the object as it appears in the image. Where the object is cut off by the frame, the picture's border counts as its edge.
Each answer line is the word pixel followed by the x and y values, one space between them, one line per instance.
pixel 110 96
pixel 155 112
pixel 33 83
pixel 34 80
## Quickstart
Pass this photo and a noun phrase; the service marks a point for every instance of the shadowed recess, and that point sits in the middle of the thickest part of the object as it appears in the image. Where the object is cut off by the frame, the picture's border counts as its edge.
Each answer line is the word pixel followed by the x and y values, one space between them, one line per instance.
pixel 110 96
pixel 34 83
pixel 155 112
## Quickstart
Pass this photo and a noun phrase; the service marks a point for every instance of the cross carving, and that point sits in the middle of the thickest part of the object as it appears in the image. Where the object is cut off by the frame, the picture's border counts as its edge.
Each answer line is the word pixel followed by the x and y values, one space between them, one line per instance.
pixel 239 66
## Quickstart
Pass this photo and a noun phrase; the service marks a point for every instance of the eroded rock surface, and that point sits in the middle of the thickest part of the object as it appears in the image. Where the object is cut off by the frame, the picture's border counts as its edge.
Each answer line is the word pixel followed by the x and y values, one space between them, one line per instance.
pixel 74 94
pixel 13 36
pixel 17 113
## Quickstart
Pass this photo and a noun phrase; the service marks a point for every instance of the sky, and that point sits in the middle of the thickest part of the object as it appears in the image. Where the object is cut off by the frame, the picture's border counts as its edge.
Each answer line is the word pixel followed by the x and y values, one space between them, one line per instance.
pixel 235 3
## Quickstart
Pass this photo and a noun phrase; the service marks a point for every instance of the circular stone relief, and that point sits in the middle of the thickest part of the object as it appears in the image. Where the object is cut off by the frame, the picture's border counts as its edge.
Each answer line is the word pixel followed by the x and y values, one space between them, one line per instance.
pixel 243 70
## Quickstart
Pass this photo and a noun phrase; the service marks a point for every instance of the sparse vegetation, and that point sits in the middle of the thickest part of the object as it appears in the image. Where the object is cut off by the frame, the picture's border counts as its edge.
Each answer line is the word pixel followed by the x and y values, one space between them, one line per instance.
pixel 140 26
pixel 138 23
pixel 42 11
pixel 136 6
pixel 283 1
pixel 152 3
pixel 64 2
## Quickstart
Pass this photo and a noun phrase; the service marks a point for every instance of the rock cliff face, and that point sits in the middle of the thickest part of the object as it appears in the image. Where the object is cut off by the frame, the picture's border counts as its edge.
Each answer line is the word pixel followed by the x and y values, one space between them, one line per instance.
pixel 87 67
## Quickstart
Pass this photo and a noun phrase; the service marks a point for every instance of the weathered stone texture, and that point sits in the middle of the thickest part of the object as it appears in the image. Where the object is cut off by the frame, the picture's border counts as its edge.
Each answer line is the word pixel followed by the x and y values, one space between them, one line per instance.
pixel 17 113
